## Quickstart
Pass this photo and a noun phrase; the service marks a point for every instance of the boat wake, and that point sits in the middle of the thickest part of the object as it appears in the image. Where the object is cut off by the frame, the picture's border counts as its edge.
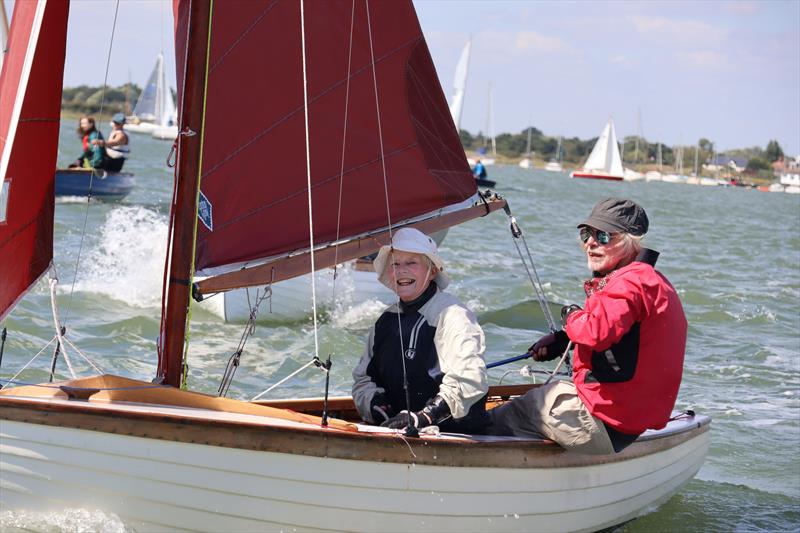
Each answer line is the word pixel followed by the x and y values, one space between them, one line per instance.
pixel 62 520
pixel 126 263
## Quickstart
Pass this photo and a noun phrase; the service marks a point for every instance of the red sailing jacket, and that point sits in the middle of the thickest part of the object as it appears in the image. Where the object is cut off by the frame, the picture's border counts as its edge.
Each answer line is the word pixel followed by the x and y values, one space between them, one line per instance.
pixel 630 340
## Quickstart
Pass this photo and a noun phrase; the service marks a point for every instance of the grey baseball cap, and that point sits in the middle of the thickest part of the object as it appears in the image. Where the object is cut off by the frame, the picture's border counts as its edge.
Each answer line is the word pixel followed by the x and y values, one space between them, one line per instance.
pixel 616 215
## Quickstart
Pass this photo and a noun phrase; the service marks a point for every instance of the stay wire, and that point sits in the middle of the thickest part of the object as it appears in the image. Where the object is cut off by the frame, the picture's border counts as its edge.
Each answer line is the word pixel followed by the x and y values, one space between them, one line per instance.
pixel 308 178
pixel 91 177
pixel 344 145
pixel 249 330
pixel 409 430
pixel 533 275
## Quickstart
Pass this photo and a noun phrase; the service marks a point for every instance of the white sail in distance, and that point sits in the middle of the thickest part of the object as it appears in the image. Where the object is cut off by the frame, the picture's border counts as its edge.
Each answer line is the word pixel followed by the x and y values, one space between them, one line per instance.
pixel 165 106
pixel 605 155
pixel 460 85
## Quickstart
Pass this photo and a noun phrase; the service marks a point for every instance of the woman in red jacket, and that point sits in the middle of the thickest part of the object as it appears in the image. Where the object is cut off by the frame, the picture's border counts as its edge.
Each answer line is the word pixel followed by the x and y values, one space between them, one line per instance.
pixel 629 344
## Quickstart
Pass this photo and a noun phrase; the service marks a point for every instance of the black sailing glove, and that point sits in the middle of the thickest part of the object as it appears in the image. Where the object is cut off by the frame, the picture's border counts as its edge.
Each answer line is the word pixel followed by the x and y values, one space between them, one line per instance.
pixel 550 346
pixel 434 412
pixel 568 310
pixel 380 408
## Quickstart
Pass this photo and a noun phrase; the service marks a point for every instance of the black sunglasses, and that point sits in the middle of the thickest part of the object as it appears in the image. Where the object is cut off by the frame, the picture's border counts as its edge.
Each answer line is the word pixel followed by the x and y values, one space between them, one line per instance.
pixel 602 237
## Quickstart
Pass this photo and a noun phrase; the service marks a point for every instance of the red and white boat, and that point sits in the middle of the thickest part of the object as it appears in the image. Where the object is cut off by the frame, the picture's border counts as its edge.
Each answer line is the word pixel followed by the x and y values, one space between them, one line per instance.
pixel 604 162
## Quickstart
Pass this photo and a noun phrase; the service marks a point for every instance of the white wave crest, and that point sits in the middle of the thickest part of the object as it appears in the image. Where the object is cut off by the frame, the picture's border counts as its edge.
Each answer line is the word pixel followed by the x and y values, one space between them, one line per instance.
pixel 127 262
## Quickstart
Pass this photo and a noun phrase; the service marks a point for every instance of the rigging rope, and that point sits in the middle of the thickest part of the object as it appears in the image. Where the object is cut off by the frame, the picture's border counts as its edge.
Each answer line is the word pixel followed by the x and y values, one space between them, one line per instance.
pixel 533 275
pixel 60 330
pixel 314 361
pixel 91 176
pixel 344 145
pixel 249 329
pixel 21 370
pixel 410 431
pixel 536 282
pixel 308 178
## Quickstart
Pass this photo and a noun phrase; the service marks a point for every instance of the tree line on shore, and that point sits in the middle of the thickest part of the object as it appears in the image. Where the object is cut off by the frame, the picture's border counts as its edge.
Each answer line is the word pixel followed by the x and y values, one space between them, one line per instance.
pixel 85 99
pixel 634 150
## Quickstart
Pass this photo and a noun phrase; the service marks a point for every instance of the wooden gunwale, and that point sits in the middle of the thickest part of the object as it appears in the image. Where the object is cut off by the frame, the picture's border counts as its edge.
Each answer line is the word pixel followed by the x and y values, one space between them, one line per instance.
pixel 168 424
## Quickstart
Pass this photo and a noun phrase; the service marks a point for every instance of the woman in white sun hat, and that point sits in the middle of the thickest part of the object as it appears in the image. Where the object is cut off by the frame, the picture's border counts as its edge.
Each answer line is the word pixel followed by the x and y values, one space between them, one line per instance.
pixel 428 338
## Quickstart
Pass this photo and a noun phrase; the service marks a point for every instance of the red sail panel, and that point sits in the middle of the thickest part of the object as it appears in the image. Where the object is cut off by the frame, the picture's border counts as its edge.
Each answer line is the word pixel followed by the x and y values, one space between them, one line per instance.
pixel 253 163
pixel 30 104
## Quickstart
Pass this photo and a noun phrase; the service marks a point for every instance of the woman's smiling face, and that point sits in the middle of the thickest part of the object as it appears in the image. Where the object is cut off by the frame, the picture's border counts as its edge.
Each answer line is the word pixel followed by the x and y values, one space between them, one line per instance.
pixel 409 274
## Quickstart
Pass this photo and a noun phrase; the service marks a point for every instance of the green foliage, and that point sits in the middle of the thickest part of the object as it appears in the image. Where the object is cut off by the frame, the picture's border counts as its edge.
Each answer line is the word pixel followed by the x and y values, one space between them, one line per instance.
pixel 774 151
pixel 88 100
pixel 758 163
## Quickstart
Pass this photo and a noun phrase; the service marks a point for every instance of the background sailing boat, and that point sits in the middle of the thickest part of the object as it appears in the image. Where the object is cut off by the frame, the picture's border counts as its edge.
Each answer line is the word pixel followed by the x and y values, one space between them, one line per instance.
pixel 604 161
pixel 155 107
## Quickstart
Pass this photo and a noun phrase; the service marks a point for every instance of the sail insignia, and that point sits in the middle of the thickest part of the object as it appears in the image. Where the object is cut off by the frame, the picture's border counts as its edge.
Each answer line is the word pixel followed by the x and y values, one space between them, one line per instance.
pixel 204 212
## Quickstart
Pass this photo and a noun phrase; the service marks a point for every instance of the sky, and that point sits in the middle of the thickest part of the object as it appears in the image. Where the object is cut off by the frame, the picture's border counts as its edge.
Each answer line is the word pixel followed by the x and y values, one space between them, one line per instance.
pixel 722 70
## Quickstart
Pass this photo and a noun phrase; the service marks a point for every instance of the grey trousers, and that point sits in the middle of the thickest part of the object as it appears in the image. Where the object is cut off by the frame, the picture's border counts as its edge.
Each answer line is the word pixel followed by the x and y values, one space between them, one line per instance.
pixel 555 412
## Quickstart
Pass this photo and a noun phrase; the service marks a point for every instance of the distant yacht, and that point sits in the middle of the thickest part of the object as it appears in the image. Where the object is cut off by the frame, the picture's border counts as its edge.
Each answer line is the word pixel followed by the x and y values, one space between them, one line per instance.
pixel 155 109
pixel 554 165
pixel 527 162
pixel 604 162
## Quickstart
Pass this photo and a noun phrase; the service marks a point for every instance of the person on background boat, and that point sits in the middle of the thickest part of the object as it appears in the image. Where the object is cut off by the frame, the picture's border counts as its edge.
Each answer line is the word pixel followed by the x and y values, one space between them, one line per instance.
pixel 479 171
pixel 93 153
pixel 428 338
pixel 629 340
pixel 117 146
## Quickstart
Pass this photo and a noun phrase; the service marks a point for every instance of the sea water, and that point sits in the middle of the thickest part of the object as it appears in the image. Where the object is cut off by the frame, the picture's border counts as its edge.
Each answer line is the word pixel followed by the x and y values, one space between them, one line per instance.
pixel 733 254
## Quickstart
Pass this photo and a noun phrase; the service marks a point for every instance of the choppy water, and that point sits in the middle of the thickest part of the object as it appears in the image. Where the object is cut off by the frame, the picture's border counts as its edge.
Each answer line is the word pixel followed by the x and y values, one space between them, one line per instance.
pixel 733 255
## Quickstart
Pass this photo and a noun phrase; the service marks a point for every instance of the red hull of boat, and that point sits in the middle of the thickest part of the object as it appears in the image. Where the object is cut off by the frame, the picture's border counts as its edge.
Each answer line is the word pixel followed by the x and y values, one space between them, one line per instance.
pixel 595 176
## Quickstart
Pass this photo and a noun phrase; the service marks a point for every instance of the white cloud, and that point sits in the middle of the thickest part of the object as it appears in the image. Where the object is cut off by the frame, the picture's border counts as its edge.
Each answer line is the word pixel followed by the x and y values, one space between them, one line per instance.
pixel 703 59
pixel 683 33
pixel 531 41
pixel 742 8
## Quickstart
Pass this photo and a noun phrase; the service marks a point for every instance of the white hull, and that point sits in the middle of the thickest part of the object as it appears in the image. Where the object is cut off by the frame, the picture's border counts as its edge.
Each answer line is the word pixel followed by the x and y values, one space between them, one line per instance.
pixel 632 175
pixel 525 163
pixel 709 182
pixel 291 299
pixel 792 189
pixel 165 484
pixel 146 128
pixel 487 161
pixel 165 133
pixel 653 175
pixel 553 166
pixel 673 178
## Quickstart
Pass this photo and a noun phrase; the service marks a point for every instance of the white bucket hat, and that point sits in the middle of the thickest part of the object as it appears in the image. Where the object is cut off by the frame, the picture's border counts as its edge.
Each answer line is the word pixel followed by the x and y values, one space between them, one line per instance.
pixel 413 241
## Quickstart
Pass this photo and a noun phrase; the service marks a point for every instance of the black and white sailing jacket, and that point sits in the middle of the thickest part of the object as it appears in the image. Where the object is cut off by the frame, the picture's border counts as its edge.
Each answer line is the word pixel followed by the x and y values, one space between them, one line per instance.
pixel 442 347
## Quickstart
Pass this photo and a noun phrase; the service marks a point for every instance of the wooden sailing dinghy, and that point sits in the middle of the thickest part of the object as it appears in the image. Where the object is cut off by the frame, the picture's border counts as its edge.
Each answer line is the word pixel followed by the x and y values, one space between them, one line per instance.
pixel 163 458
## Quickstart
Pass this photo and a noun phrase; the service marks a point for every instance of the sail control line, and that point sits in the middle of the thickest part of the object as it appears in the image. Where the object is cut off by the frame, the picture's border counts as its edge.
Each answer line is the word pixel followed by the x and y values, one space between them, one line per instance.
pixel 536 283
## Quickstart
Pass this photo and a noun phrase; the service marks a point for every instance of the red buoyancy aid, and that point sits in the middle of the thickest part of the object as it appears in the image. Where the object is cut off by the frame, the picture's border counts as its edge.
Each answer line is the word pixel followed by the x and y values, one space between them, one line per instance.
pixel 633 325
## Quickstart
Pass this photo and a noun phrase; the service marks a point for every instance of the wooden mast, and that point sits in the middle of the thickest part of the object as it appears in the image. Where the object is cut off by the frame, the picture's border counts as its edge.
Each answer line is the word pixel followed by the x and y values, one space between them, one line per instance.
pixel 195 17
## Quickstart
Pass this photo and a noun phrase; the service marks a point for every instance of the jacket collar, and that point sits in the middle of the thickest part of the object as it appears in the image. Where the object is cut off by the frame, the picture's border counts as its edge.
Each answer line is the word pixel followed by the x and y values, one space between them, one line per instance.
pixel 598 281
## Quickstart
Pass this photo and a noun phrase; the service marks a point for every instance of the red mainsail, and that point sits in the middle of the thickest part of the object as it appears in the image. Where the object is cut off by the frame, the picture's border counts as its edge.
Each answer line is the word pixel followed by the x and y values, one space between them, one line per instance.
pixel 30 104
pixel 253 166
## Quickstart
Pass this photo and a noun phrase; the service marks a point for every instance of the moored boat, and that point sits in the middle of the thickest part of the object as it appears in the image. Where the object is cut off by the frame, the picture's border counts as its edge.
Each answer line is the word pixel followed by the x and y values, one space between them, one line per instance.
pixel 95 183
pixel 604 161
